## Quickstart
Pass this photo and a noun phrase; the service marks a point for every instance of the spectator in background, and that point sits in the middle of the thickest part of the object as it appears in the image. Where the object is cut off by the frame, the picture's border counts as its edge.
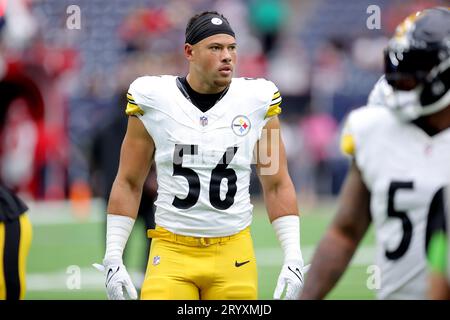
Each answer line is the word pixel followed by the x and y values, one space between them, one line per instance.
pixel 19 138
pixel 328 74
pixel 289 67
pixel 300 164
pixel 267 18
pixel 319 130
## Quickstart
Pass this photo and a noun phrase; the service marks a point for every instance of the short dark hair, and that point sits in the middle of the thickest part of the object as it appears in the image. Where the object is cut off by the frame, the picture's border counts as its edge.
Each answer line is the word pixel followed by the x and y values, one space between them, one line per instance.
pixel 198 15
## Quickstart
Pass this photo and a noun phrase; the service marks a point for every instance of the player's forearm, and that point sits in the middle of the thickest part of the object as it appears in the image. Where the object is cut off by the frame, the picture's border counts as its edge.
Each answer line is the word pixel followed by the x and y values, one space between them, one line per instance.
pixel 329 262
pixel 438 288
pixel 125 198
pixel 280 200
pixel 281 204
pixel 122 212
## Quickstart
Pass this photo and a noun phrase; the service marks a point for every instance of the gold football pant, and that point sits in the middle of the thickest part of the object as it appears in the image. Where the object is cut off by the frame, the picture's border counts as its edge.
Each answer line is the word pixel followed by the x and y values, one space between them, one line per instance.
pixel 15 241
pixel 191 268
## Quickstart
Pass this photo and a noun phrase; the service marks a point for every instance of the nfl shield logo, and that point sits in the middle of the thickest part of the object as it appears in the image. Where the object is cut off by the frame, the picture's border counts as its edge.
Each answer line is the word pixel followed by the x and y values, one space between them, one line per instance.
pixel 156 260
pixel 203 121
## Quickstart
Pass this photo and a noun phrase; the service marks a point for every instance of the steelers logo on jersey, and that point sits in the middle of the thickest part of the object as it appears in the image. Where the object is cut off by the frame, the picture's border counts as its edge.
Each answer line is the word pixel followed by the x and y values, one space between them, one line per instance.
pixel 241 125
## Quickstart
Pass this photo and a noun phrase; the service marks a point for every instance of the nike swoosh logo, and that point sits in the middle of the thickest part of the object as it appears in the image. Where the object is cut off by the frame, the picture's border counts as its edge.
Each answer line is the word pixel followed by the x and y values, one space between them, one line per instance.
pixel 108 277
pixel 239 264
pixel 298 275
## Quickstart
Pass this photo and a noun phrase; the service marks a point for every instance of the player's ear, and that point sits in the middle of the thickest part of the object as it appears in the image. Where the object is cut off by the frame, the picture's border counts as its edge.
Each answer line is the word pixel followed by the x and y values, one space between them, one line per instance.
pixel 188 51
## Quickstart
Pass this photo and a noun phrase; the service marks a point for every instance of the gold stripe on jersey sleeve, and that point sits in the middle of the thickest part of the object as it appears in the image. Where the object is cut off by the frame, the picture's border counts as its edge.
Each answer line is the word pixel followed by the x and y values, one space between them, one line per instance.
pixel 276 95
pixel 273 110
pixel 348 144
pixel 133 109
pixel 276 101
pixel 131 99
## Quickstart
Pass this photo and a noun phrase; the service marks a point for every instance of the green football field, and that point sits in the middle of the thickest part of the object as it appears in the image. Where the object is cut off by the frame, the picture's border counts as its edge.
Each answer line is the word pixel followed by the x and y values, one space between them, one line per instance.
pixel 64 248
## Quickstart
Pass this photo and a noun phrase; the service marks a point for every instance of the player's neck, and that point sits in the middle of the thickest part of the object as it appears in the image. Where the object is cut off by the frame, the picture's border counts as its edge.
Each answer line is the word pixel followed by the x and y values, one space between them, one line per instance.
pixel 201 86
pixel 438 121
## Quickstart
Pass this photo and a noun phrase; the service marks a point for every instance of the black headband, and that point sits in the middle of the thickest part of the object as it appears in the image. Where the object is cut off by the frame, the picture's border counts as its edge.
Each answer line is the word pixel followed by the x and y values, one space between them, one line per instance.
pixel 206 26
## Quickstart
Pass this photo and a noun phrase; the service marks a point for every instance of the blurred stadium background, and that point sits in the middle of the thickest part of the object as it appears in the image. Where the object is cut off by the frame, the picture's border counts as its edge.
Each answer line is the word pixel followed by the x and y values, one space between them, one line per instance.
pixel 62 97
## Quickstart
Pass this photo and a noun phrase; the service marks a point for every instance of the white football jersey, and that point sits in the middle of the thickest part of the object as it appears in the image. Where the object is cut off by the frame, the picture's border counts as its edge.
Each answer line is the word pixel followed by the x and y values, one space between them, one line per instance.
pixel 203 158
pixel 403 168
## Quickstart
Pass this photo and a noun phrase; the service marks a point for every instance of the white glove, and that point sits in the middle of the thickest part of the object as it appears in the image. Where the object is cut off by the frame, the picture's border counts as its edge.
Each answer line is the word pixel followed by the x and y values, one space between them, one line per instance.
pixel 117 278
pixel 291 278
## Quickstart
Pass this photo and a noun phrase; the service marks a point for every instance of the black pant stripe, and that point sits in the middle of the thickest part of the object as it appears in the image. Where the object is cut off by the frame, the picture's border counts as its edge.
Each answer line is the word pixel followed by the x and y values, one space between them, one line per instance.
pixel 11 259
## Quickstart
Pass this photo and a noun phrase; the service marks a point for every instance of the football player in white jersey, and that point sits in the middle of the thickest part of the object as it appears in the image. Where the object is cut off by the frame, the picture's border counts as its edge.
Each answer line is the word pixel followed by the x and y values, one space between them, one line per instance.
pixel 400 160
pixel 202 130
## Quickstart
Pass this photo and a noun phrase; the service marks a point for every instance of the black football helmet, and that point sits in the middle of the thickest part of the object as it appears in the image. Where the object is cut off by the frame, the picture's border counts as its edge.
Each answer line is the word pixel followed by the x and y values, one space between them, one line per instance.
pixel 417 64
